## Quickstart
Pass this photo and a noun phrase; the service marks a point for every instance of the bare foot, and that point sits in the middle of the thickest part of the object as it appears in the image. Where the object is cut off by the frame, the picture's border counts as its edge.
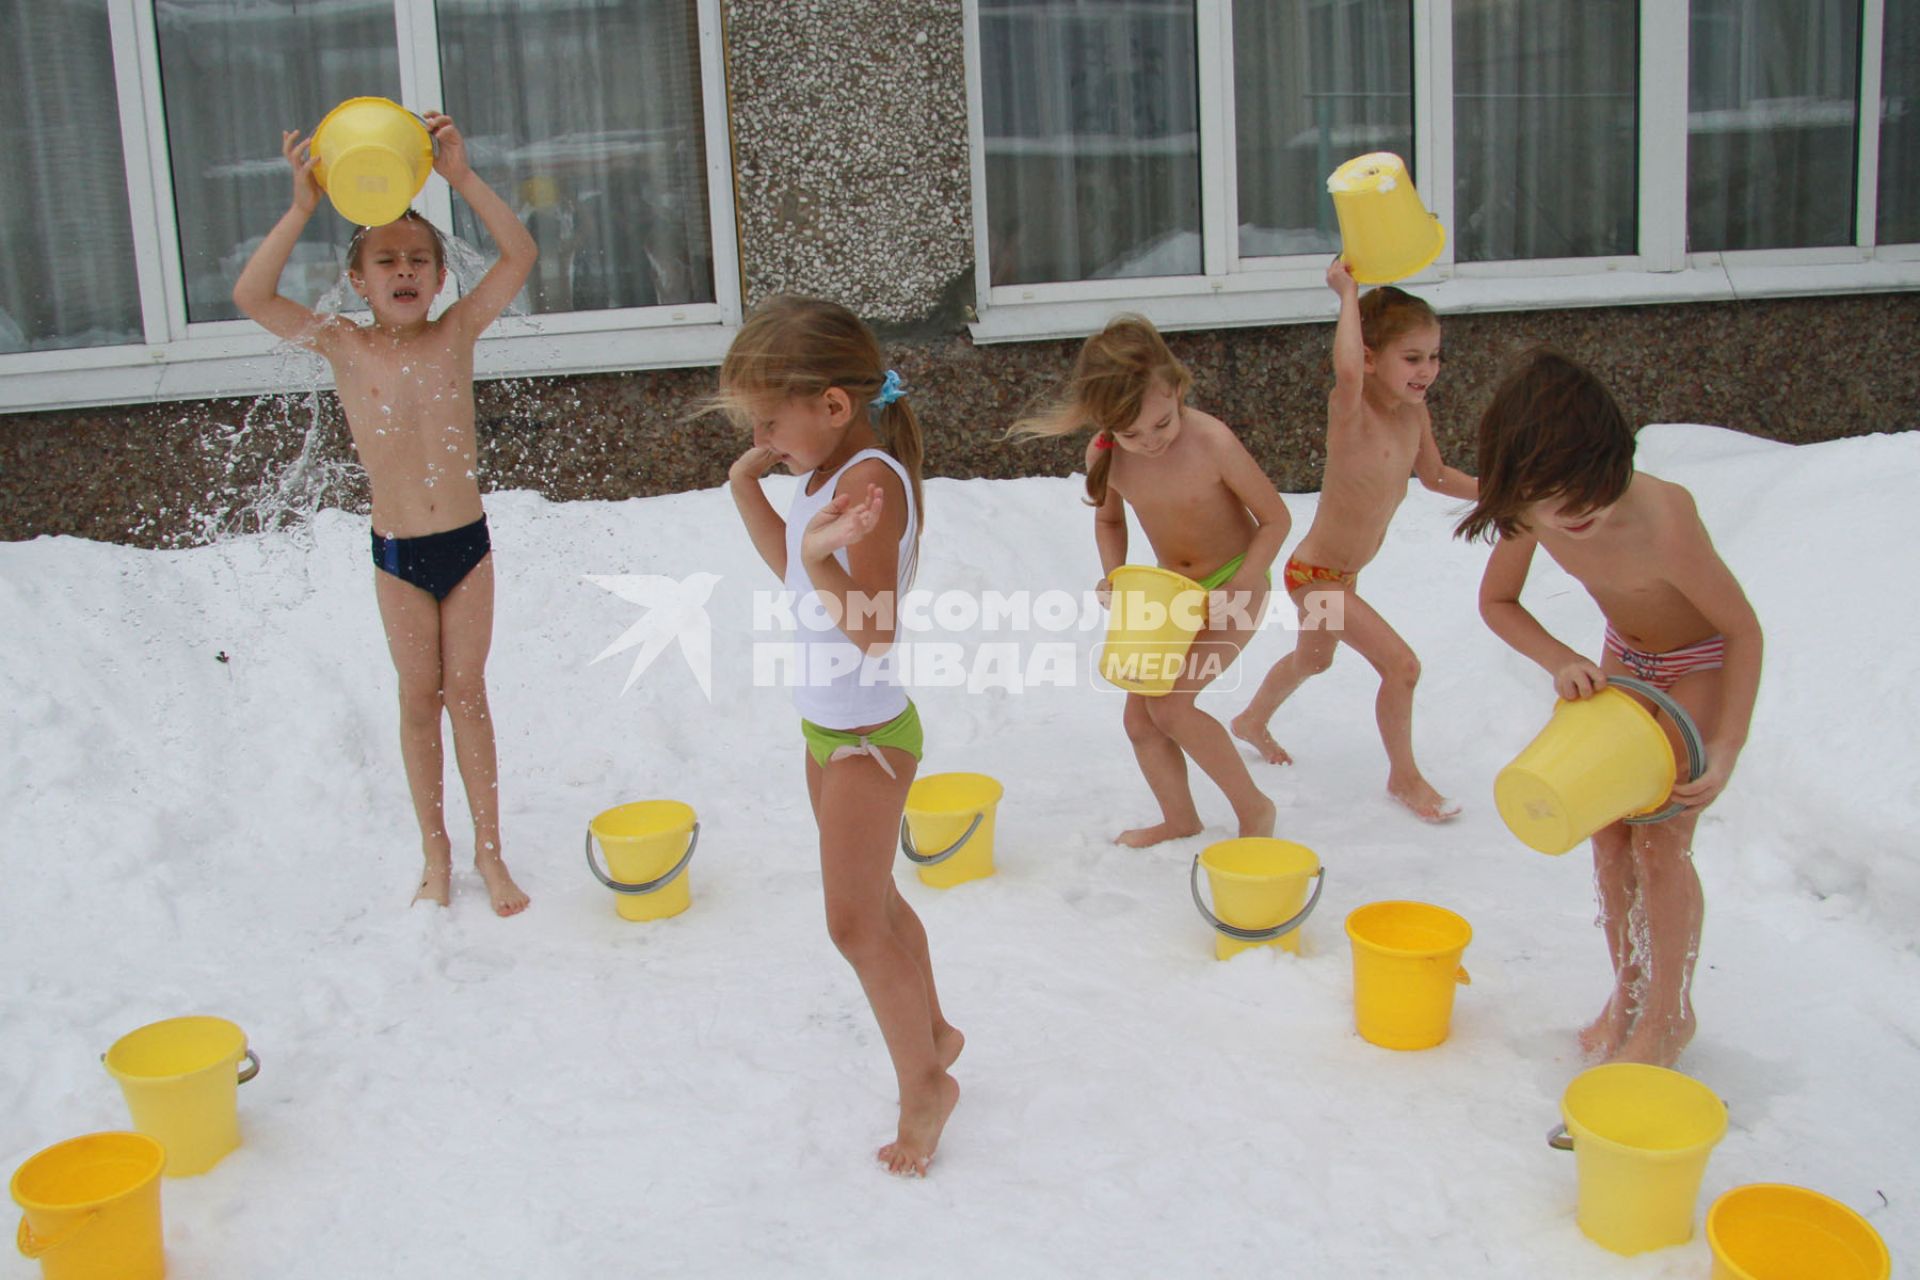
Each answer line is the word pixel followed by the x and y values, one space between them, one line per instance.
pixel 1657 1042
pixel 921 1123
pixel 1600 1039
pixel 508 900
pixel 1141 837
pixel 436 881
pixel 1260 821
pixel 947 1044
pixel 1256 736
pixel 1427 804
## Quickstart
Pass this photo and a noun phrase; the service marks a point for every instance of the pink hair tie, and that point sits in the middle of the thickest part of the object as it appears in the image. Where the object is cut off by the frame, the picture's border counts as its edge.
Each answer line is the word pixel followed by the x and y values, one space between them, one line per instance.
pixel 1103 441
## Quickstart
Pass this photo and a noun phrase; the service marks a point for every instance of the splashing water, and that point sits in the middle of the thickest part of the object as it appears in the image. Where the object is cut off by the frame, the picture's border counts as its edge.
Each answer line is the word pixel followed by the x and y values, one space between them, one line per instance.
pixel 256 493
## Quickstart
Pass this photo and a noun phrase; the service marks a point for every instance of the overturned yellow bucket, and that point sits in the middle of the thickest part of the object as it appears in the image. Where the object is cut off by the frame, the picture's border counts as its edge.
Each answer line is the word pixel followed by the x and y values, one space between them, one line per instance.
pixel 1386 234
pixel 181 1078
pixel 373 156
pixel 947 828
pixel 1153 616
pixel 1406 965
pixel 1259 887
pixel 91 1208
pixel 1640 1137
pixel 648 845
pixel 1771 1231
pixel 1599 760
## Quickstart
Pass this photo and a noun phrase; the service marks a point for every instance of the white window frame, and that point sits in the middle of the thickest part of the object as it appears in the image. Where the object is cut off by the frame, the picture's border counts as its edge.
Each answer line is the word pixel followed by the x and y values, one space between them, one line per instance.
pixel 181 360
pixel 1231 292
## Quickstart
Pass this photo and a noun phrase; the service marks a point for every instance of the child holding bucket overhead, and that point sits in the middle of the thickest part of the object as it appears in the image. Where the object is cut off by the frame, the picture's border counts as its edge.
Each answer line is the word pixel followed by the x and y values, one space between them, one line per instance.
pixel 1386 355
pixel 1556 473
pixel 1211 515
pixel 406 384
pixel 806 376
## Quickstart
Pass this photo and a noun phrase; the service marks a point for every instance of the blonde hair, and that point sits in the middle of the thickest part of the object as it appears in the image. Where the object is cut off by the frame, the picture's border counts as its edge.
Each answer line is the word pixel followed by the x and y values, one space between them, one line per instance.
pixel 1111 376
pixel 794 346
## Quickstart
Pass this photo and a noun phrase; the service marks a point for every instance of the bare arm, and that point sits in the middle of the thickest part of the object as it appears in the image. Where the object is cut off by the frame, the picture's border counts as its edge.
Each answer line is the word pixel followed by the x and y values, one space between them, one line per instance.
pixel 868 517
pixel 764 525
pixel 1697 572
pixel 1574 676
pixel 480 308
pixel 1256 493
pixel 1109 524
pixel 1433 470
pixel 1349 349
pixel 257 291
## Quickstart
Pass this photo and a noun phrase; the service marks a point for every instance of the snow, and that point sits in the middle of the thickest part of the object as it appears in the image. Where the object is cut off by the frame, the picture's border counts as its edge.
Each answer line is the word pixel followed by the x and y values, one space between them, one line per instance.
pixel 570 1094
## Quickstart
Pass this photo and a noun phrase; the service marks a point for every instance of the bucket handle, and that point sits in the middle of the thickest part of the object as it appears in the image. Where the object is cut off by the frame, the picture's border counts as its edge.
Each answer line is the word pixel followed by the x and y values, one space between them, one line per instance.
pixel 919 859
pixel 1689 737
pixel 1255 935
pixel 649 886
pixel 1559 1139
pixel 29 1247
pixel 247 1072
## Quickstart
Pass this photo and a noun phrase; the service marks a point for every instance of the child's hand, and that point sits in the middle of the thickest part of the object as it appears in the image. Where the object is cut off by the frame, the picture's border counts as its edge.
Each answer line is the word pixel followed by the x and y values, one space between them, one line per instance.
pixel 1340 279
pixel 841 523
pixel 1103 592
pixel 752 464
pixel 1578 680
pixel 1702 791
pixel 450 149
pixel 300 158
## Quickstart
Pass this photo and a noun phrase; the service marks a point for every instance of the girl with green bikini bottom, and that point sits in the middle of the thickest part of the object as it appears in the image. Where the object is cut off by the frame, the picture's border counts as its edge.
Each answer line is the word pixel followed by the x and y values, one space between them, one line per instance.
pixel 1210 513
pixel 806 377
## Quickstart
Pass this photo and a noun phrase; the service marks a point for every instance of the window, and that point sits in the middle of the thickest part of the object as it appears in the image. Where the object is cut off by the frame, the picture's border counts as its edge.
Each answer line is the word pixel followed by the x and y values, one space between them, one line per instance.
pixel 1579 152
pixel 154 126
pixel 67 276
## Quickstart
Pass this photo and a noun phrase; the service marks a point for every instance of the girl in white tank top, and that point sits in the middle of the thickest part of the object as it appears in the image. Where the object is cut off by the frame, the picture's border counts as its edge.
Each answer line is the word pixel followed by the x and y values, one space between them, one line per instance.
pixel 807 377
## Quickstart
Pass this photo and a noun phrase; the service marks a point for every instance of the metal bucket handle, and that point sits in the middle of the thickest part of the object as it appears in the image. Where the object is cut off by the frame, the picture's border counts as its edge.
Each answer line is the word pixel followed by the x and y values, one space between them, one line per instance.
pixel 935 859
pixel 1689 737
pixel 1255 935
pixel 650 886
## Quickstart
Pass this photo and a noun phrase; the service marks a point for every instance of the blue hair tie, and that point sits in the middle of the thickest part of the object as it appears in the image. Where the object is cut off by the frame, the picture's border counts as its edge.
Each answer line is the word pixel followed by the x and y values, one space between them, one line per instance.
pixel 890 391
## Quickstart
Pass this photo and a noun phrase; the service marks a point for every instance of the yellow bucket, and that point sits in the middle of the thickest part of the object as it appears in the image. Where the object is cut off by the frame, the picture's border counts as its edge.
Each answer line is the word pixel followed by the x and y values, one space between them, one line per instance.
pixel 1154 614
pixel 1640 1137
pixel 374 157
pixel 1259 887
pixel 91 1208
pixel 951 813
pixel 1386 234
pixel 648 845
pixel 1599 760
pixel 1406 964
pixel 180 1079
pixel 1770 1231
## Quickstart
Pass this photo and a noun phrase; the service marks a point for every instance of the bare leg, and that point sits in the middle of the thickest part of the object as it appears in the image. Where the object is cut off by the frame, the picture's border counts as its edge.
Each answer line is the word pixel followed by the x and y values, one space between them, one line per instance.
pixel 875 929
pixel 466 637
pixel 411 619
pixel 1205 739
pixel 1165 767
pixel 1312 654
pixel 1399 671
pixel 1613 883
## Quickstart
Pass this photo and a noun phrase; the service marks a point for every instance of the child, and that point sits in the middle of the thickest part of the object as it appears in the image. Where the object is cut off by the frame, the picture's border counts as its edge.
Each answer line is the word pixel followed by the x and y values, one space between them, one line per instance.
pixel 1556 471
pixel 807 377
pixel 1210 513
pixel 406 384
pixel 1386 354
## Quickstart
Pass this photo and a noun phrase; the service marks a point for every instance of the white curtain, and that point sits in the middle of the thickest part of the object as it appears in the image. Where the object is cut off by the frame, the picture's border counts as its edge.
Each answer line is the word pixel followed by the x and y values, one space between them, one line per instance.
pixel 67 270
pixel 1545 115
pixel 1092 138
pixel 1772 110
pixel 1899 213
pixel 1316 82
pixel 587 118
pixel 234 73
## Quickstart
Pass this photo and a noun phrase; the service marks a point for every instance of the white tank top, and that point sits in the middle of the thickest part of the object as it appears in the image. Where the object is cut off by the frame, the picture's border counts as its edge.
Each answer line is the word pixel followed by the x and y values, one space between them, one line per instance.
pixel 836 685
